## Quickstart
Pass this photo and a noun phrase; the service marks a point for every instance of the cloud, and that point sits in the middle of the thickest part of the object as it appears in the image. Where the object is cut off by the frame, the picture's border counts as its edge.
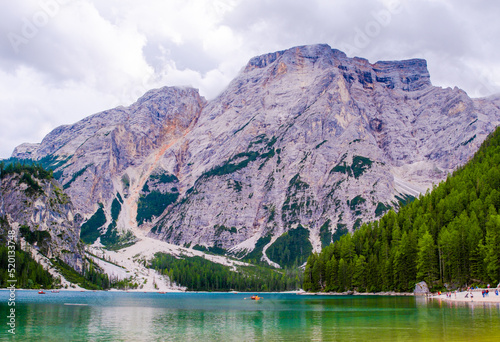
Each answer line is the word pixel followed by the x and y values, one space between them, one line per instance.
pixel 76 57
pixel 31 106
pixel 456 37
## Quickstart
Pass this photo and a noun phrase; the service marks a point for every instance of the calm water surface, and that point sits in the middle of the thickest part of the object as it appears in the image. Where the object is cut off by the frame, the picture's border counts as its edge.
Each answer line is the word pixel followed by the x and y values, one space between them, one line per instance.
pixel 120 316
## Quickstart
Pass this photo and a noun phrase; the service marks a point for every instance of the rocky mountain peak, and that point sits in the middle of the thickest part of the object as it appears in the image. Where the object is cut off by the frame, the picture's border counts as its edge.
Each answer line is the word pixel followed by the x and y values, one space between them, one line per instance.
pixel 167 96
pixel 25 151
pixel 406 75
pixel 304 141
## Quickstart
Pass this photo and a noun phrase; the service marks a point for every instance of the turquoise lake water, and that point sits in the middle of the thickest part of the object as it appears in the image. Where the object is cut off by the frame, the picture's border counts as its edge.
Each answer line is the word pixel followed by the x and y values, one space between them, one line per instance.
pixel 121 316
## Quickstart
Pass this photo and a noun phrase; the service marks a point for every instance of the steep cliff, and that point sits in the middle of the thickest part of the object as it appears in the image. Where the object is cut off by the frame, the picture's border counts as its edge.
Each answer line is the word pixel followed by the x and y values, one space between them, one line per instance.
pixel 35 206
pixel 115 151
pixel 303 145
pixel 310 137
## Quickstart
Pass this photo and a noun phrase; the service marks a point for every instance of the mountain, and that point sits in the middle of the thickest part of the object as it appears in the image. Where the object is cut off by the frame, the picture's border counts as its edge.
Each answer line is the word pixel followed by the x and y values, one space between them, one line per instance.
pixel 302 146
pixel 36 207
pixel 448 238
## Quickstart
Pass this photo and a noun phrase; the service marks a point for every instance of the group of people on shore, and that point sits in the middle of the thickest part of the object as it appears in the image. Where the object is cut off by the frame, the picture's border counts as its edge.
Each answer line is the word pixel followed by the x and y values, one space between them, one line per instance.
pixel 484 292
pixel 448 294
pixel 467 295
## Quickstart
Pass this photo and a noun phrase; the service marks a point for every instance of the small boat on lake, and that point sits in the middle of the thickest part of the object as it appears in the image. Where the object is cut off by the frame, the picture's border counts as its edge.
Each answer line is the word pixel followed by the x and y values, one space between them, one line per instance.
pixel 255 298
pixel 55 291
pixel 41 292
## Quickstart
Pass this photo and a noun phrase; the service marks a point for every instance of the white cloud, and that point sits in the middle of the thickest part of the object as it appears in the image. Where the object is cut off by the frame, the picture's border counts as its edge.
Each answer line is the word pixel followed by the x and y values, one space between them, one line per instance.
pixel 83 56
pixel 31 106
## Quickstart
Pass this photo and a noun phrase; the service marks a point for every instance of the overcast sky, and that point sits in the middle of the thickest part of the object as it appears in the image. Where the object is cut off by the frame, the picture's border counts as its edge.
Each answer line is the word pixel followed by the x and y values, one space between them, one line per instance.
pixel 62 60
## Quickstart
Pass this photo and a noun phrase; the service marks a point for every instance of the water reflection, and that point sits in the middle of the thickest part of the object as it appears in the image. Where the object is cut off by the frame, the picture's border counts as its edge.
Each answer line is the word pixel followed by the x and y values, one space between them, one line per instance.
pixel 104 316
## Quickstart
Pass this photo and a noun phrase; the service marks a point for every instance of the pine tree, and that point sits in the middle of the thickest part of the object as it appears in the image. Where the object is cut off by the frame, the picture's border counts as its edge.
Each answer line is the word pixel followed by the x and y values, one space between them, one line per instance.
pixel 426 259
pixel 332 267
pixel 359 273
pixel 492 248
pixel 344 275
pixel 308 278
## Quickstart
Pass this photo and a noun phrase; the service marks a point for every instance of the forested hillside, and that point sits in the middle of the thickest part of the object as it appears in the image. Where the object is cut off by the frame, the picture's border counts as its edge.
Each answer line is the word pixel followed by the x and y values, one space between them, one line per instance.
pixel 199 274
pixel 450 236
pixel 35 207
pixel 29 274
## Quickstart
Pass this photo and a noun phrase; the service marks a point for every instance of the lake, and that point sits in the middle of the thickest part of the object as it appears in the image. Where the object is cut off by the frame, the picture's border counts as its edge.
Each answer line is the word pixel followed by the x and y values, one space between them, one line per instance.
pixel 122 316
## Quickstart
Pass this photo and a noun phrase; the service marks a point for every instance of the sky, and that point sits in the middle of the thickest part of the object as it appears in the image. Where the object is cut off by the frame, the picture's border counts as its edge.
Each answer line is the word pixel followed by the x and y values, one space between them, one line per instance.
pixel 62 60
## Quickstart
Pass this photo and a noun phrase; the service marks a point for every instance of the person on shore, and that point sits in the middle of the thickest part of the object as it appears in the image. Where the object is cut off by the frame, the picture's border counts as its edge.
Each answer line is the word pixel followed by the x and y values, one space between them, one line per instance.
pixel 496 292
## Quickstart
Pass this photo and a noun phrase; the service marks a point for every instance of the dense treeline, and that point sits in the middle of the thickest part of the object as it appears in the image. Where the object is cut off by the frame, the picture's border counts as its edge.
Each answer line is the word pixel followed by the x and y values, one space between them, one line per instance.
pixel 291 249
pixel 153 204
pixel 92 277
pixel 199 274
pixel 90 229
pixel 30 168
pixel 29 173
pixel 29 274
pixel 449 236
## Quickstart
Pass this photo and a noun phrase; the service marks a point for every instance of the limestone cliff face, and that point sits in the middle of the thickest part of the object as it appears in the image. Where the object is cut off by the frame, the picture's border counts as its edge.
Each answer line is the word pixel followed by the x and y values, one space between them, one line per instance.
pixel 308 136
pixel 305 137
pixel 116 150
pixel 43 214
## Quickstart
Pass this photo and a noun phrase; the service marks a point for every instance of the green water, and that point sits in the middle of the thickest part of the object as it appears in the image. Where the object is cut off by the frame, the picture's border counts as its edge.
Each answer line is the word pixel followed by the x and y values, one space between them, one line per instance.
pixel 120 316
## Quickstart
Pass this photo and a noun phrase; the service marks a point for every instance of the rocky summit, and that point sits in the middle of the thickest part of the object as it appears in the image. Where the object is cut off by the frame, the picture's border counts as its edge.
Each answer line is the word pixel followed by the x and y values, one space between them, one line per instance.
pixel 304 145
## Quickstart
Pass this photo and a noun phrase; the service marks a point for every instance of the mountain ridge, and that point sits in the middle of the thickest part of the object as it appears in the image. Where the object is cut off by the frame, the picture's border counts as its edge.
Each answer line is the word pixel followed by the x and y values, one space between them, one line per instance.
pixel 304 137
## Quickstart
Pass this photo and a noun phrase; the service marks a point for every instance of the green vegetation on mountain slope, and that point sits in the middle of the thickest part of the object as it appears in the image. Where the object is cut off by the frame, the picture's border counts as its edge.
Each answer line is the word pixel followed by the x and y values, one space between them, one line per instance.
pixel 449 236
pixel 199 274
pixel 28 273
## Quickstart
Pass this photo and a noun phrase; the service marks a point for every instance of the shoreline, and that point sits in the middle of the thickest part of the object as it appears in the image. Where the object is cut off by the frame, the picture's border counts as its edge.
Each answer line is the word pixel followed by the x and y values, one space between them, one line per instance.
pixel 459 297
pixel 355 293
pixel 477 296
pixel 150 291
